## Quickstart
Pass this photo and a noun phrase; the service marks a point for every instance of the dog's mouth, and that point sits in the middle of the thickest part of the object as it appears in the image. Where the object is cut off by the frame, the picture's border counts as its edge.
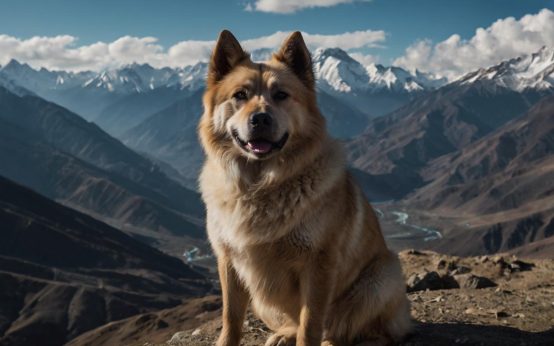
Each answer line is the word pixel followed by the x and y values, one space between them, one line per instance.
pixel 260 146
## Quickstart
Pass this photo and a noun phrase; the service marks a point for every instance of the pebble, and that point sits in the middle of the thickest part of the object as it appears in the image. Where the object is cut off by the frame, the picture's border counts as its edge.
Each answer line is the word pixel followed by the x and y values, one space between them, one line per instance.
pixel 520 315
pixel 196 332
pixel 470 311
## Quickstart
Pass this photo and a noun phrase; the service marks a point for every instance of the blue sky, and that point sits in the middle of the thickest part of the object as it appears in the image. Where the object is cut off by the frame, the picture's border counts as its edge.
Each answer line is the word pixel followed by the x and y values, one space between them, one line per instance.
pixel 171 21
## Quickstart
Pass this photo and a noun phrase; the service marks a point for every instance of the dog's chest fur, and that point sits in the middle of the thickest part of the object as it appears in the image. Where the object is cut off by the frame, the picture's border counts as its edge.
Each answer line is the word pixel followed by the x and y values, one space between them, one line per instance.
pixel 272 270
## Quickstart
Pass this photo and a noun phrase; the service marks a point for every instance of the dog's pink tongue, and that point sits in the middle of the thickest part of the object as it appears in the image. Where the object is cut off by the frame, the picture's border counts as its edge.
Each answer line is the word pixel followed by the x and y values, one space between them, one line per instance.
pixel 259 146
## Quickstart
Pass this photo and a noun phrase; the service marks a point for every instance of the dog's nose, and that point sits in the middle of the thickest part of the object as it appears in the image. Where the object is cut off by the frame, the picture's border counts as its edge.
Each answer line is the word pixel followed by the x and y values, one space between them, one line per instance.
pixel 260 120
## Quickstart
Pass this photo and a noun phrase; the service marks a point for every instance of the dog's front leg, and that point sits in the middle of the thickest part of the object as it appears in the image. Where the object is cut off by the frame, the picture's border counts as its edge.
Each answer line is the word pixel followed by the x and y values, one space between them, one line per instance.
pixel 315 288
pixel 235 301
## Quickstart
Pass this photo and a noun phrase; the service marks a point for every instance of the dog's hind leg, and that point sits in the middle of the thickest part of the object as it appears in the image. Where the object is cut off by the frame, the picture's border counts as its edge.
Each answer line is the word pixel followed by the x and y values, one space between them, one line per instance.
pixel 375 310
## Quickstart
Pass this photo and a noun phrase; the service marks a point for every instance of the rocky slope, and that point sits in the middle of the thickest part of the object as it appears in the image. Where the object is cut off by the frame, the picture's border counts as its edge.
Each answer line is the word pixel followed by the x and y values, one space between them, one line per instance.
pixel 498 191
pixel 517 308
pixel 63 273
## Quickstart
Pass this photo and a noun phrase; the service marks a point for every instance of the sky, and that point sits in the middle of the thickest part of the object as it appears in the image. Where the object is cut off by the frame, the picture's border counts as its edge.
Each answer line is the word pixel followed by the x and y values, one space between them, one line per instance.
pixel 443 37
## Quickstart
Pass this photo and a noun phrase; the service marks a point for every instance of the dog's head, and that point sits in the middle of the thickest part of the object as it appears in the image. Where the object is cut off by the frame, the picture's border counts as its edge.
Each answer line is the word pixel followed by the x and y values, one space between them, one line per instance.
pixel 259 112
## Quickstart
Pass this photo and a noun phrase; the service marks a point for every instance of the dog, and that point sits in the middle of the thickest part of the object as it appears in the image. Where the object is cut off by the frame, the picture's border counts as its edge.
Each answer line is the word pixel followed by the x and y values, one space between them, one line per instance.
pixel 293 234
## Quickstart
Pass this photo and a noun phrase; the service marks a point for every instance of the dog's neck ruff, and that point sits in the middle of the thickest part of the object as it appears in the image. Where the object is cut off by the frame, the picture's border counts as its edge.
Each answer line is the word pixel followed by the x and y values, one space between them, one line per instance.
pixel 266 211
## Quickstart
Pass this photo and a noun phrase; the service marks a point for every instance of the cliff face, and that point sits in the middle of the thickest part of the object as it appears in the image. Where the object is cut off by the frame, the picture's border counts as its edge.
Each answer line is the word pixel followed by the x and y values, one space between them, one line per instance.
pixel 471 301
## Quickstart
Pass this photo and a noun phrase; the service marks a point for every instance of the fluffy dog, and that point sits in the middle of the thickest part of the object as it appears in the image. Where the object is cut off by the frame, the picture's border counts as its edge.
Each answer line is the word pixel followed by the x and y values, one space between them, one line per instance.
pixel 292 232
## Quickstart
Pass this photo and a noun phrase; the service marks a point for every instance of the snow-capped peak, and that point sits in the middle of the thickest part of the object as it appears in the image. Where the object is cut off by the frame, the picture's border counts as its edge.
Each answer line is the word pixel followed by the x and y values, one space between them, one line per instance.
pixel 191 77
pixel 42 79
pixel 533 71
pixel 339 72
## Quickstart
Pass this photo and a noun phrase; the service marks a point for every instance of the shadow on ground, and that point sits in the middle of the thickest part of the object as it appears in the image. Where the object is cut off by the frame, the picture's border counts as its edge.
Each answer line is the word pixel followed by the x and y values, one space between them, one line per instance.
pixel 471 334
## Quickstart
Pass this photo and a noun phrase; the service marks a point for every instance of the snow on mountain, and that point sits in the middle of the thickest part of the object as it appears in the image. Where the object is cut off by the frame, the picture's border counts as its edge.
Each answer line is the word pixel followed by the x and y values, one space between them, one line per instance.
pixel 533 71
pixel 43 79
pixel 137 78
pixel 133 78
pixel 335 69
pixel 339 72
pixel 191 77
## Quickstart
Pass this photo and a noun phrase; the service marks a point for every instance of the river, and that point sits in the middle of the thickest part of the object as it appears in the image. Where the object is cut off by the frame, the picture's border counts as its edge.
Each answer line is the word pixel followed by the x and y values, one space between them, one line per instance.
pixel 413 231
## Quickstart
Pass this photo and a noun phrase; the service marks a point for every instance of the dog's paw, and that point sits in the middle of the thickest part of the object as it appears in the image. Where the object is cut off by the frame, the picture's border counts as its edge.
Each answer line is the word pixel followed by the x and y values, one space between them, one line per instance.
pixel 279 339
pixel 226 340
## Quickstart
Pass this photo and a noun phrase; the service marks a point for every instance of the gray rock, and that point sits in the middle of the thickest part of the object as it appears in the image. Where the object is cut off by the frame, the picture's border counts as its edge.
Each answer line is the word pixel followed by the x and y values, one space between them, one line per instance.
pixel 474 281
pixel 430 281
pixel 520 266
pixel 460 270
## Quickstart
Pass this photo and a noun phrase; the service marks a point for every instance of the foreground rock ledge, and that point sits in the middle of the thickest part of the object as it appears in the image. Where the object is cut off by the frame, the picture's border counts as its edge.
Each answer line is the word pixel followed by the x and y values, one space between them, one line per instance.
pixel 519 310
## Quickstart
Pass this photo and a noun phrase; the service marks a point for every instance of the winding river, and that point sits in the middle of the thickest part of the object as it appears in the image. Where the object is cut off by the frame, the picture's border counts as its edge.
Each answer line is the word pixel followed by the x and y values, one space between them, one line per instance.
pixel 415 231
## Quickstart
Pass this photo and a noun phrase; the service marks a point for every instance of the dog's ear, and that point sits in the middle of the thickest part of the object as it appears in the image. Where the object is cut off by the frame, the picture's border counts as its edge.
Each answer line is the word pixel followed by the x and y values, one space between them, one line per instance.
pixel 296 56
pixel 226 55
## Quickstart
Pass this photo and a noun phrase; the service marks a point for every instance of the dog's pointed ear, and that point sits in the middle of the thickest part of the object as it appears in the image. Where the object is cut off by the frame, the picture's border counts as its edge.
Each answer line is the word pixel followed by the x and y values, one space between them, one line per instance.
pixel 225 56
pixel 296 56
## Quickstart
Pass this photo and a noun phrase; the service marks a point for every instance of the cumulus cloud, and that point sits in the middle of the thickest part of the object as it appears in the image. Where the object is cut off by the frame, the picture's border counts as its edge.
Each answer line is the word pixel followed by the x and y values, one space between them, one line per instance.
pixel 504 39
pixel 291 6
pixel 346 41
pixel 63 53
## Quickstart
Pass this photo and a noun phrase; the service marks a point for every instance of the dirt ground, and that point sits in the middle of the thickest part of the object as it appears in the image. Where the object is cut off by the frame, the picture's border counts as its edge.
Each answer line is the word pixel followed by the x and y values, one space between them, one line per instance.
pixel 518 310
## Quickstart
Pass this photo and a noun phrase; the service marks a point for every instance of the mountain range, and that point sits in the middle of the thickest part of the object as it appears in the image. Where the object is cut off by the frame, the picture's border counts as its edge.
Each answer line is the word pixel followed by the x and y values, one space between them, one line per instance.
pixel 64 157
pixel 119 99
pixel 396 125
pixel 448 119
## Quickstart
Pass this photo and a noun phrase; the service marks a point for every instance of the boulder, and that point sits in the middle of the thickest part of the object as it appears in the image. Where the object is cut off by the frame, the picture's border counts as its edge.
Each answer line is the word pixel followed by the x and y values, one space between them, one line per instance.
pixel 474 281
pixel 431 281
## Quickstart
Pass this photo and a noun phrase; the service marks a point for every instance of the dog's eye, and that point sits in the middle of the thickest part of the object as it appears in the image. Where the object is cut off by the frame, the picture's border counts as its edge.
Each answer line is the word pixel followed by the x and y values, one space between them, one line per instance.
pixel 280 96
pixel 240 95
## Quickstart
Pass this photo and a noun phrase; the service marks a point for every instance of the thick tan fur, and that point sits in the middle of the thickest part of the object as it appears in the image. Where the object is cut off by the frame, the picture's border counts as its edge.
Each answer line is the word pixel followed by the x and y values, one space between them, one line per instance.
pixel 293 234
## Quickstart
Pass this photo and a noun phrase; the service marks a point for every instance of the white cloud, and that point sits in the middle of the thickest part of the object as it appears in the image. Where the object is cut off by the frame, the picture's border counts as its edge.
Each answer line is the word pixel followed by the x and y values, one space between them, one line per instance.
pixel 291 6
pixel 504 39
pixel 346 41
pixel 63 53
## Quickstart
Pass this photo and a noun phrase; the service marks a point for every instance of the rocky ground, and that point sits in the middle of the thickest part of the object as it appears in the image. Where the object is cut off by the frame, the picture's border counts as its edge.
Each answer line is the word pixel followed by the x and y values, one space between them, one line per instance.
pixel 488 300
